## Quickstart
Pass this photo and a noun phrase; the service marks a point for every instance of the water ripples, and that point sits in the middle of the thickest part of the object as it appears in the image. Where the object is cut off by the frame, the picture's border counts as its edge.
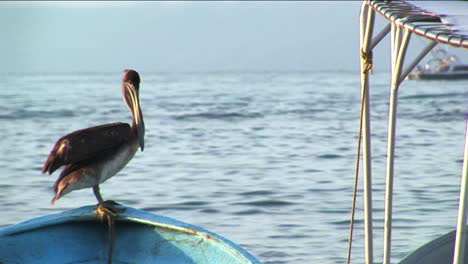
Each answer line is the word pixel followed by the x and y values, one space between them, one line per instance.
pixel 265 159
pixel 27 114
pixel 228 116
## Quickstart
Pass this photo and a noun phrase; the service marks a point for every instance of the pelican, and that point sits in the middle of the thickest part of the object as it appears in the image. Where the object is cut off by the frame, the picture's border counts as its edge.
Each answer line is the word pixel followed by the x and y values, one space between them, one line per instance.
pixel 92 155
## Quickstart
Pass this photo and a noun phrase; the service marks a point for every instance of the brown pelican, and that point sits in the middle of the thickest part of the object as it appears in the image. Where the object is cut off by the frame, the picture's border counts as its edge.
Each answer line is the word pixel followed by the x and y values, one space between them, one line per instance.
pixel 91 156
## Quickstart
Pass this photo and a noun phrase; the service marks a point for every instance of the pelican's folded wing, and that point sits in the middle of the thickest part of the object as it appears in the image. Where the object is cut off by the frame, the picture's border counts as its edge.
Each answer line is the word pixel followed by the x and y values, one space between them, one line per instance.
pixel 85 144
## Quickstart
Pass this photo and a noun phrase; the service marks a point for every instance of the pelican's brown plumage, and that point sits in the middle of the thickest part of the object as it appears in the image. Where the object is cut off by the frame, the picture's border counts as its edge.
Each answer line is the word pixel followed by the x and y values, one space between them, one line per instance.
pixel 92 155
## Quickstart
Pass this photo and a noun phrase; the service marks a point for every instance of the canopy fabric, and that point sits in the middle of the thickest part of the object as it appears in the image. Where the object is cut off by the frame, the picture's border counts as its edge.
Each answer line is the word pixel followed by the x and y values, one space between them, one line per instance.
pixel 442 21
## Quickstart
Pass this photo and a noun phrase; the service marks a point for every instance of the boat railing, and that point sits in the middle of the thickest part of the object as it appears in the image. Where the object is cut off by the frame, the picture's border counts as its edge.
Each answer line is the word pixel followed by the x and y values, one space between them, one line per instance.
pixel 405 19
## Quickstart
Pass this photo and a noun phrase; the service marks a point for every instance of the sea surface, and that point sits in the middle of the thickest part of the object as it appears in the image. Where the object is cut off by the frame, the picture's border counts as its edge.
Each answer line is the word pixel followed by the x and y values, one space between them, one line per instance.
pixel 264 159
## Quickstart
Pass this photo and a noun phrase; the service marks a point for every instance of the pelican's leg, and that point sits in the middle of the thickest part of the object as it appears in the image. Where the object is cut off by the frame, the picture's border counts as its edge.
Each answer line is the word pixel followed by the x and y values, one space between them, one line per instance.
pixel 97 193
pixel 104 208
pixel 107 212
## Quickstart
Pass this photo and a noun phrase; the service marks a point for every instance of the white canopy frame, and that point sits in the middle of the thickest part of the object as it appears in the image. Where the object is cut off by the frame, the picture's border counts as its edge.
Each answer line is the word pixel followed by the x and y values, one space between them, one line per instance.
pixel 404 20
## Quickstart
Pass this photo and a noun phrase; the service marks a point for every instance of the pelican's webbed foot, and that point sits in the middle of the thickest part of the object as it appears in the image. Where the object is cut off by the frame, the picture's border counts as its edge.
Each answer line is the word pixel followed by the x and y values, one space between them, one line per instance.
pixel 108 208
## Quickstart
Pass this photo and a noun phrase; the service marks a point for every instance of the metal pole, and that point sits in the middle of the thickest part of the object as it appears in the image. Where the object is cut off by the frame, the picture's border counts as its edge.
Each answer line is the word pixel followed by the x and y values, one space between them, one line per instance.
pixel 459 251
pixel 380 36
pixel 399 47
pixel 416 60
pixel 367 25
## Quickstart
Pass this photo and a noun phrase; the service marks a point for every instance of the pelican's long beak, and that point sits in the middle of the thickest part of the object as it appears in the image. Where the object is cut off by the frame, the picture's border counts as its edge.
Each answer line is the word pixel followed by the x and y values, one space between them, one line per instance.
pixel 134 105
pixel 140 127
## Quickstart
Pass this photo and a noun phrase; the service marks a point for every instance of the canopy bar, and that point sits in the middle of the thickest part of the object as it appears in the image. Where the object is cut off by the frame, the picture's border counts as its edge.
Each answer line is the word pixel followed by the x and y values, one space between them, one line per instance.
pixel 422 22
pixel 448 24
pixel 416 60
pixel 380 36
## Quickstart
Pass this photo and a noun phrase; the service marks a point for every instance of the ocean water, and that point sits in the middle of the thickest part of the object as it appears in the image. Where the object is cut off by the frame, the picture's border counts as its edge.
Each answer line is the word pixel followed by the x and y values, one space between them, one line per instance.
pixel 264 159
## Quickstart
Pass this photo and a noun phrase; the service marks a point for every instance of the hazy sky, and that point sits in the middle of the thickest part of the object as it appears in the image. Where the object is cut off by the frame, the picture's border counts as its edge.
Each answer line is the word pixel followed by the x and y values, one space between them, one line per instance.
pixel 180 36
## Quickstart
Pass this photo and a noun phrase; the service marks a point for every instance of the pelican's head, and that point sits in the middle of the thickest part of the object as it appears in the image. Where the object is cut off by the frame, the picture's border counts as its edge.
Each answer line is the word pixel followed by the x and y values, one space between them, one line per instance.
pixel 130 92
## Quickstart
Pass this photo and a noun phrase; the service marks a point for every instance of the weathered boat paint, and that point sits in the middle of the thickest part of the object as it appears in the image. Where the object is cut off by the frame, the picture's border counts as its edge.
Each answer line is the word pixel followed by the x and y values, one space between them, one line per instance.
pixel 79 236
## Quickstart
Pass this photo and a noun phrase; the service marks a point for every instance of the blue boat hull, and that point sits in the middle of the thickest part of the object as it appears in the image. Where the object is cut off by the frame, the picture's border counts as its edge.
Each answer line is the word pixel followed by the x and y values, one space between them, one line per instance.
pixel 78 236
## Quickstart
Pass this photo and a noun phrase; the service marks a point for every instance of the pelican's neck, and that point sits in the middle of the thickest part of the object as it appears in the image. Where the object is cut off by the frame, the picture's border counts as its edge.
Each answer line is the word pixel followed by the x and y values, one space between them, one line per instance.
pixel 134 127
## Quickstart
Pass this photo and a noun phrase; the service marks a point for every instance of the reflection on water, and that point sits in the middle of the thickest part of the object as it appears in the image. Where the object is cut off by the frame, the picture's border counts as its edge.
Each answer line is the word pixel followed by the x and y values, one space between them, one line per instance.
pixel 265 159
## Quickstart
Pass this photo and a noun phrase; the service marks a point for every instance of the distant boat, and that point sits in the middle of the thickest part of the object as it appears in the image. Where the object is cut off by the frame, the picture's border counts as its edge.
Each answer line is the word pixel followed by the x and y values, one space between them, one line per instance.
pixel 79 236
pixel 442 67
